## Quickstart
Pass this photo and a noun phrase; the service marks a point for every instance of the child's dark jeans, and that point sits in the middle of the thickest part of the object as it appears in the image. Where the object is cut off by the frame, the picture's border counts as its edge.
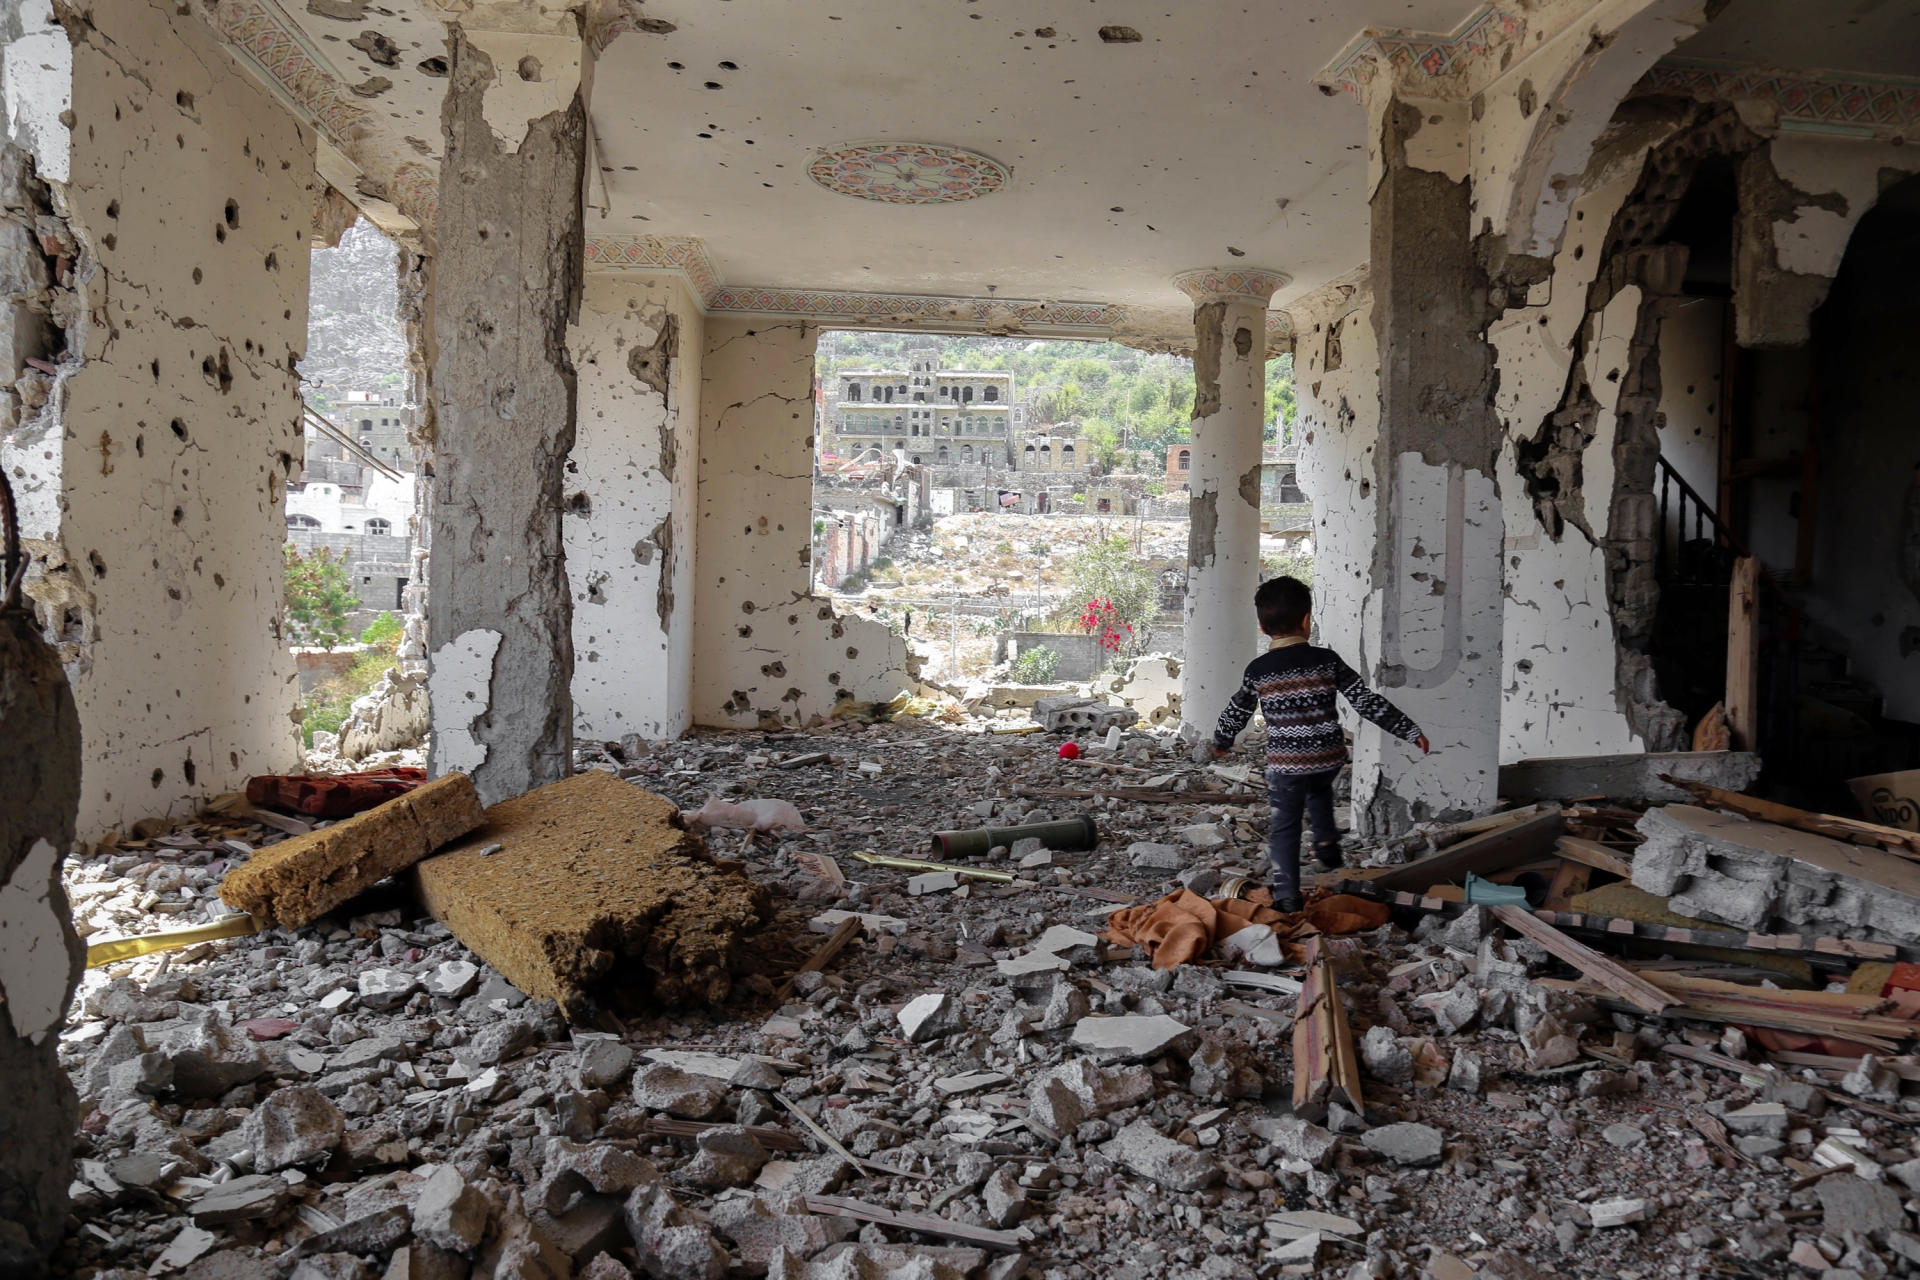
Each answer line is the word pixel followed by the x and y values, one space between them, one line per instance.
pixel 1291 795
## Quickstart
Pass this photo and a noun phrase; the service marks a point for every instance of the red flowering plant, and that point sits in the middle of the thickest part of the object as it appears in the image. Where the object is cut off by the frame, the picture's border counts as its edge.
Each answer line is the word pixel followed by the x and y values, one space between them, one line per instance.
pixel 1101 617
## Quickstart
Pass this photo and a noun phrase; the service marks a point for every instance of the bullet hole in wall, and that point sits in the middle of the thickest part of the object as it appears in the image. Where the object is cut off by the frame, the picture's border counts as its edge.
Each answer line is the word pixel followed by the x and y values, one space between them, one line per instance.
pixel 159 776
pixel 220 234
pixel 179 428
pixel 219 581
pixel 273 262
pixel 179 514
pixel 233 758
pixel 140 445
pixel 232 214
pixel 852 653
pixel 198 275
pixel 99 565
pixel 529 69
pixel 1120 35
pixel 156 370
pixel 746 606
pixel 746 632
pixel 435 66
pixel 189 771
pixel 183 100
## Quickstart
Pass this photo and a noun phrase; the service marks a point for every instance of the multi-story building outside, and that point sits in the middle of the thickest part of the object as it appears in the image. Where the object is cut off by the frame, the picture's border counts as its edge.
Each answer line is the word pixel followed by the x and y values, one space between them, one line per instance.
pixel 932 416
pixel 363 513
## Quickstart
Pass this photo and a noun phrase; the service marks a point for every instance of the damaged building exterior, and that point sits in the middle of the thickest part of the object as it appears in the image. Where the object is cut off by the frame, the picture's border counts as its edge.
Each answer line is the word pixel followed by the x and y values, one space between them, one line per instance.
pixel 1590 303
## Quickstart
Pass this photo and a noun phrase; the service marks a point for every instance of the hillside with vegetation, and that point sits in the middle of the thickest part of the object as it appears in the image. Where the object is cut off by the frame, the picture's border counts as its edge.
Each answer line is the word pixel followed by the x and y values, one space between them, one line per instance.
pixel 1131 405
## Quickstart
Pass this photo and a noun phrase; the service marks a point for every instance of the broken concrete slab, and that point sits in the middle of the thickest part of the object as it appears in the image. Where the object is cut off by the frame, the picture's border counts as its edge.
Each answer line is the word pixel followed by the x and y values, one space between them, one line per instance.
pixel 299 880
pixel 1131 1038
pixel 931 1016
pixel 1739 871
pixel 594 880
pixel 1174 1165
pixel 1410 1144
pixel 1627 777
pixel 1154 856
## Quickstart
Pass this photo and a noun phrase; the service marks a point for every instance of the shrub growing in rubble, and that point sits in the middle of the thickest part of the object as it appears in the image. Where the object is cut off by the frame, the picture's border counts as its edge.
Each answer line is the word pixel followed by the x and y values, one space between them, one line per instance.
pixel 384 633
pixel 1125 589
pixel 1036 666
pixel 319 595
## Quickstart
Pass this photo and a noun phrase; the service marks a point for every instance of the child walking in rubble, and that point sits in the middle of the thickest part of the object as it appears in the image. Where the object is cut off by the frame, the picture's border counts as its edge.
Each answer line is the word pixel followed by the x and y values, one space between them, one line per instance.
pixel 1293 684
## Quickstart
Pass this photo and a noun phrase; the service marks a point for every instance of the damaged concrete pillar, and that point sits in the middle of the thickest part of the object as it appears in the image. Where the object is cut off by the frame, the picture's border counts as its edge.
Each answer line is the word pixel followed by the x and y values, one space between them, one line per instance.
pixel 629 505
pixel 1223 544
pixel 506 282
pixel 40 955
pixel 1433 615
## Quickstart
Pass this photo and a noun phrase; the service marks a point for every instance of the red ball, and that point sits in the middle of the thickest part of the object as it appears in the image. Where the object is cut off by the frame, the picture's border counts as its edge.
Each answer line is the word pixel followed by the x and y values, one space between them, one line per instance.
pixel 1069 751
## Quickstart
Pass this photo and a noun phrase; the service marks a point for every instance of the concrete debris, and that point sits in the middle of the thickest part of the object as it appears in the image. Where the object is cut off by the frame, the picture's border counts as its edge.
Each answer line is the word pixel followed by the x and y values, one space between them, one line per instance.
pixel 369 1095
pixel 1752 874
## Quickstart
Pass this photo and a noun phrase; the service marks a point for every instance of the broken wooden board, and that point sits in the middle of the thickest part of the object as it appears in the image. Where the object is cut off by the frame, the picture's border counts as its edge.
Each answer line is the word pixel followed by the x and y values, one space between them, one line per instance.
pixel 592 882
pixel 1508 846
pixel 1594 854
pixel 823 954
pixel 1629 986
pixel 1325 1069
pixel 299 880
pixel 926 1224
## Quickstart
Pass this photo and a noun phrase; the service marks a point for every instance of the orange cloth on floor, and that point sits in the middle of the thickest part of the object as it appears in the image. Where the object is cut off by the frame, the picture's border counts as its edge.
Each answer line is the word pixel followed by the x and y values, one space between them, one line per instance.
pixel 1183 926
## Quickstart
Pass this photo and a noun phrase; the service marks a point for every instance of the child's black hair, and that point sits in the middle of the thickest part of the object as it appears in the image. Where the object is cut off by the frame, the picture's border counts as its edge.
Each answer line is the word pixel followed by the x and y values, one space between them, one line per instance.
pixel 1281 603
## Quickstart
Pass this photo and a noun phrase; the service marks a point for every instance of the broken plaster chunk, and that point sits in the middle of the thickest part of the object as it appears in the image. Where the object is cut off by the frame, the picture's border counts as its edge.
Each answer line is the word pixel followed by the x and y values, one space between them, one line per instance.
pixel 302 878
pixel 1618 1212
pixel 384 988
pixel 454 980
pixel 1174 1165
pixel 930 1017
pixel 932 882
pixel 1408 1144
pixel 875 925
pixel 601 1063
pixel 594 873
pixel 715 1066
pixel 294 1126
pixel 1206 835
pixel 1147 855
pixel 1130 1038
pixel 662 1087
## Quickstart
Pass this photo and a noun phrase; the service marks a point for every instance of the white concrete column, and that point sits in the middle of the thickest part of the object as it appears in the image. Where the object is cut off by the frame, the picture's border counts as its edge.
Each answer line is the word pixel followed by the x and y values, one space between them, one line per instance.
pixel 1223 543
pixel 629 505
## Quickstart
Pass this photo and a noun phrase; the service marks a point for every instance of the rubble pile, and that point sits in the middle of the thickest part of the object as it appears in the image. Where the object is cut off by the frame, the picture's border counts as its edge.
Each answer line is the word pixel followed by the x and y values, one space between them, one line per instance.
pixel 971 1078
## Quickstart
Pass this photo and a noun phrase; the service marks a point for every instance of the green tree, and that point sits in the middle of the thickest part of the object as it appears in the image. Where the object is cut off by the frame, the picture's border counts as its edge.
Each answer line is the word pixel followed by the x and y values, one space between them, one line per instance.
pixel 384 633
pixel 1109 571
pixel 1102 442
pixel 319 596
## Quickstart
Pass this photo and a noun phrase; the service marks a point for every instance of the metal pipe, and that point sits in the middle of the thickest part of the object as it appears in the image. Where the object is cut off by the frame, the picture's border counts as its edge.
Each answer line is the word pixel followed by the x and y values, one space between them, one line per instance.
pixel 234 926
pixel 1068 835
pixel 917 864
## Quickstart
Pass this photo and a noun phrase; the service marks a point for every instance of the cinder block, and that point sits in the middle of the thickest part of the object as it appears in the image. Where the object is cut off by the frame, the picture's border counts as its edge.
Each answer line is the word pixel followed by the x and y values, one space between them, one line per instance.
pixel 593 884
pixel 297 881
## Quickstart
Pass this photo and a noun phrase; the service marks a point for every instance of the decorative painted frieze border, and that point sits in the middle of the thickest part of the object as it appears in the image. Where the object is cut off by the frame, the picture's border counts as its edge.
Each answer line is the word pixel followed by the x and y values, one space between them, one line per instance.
pixel 1879 105
pixel 278 50
pixel 1414 56
pixel 687 257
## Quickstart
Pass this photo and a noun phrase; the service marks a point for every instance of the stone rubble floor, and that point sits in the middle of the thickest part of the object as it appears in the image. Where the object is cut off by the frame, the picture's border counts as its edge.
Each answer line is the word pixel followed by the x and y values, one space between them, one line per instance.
pixel 363 1097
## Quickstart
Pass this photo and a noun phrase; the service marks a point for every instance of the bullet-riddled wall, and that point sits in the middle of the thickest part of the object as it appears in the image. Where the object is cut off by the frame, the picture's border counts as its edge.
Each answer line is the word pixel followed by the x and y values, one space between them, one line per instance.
pixel 764 648
pixel 155 474
pixel 629 505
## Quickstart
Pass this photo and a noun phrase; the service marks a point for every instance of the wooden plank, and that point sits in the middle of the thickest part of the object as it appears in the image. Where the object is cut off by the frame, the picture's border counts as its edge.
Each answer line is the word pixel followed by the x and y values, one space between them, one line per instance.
pixel 767 1136
pixel 1570 879
pixel 1615 977
pixel 1594 854
pixel 1325 1069
pixel 1523 841
pixel 925 1224
pixel 823 954
pixel 1743 655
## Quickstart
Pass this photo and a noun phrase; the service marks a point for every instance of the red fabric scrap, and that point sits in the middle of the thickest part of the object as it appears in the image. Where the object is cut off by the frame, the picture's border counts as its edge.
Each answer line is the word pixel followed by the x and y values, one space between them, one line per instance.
pixel 336 795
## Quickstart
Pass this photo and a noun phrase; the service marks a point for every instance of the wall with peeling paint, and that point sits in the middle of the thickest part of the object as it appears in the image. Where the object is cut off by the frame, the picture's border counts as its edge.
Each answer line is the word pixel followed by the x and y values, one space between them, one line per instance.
pixel 1558 680
pixel 765 650
pixel 629 506
pixel 190 191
